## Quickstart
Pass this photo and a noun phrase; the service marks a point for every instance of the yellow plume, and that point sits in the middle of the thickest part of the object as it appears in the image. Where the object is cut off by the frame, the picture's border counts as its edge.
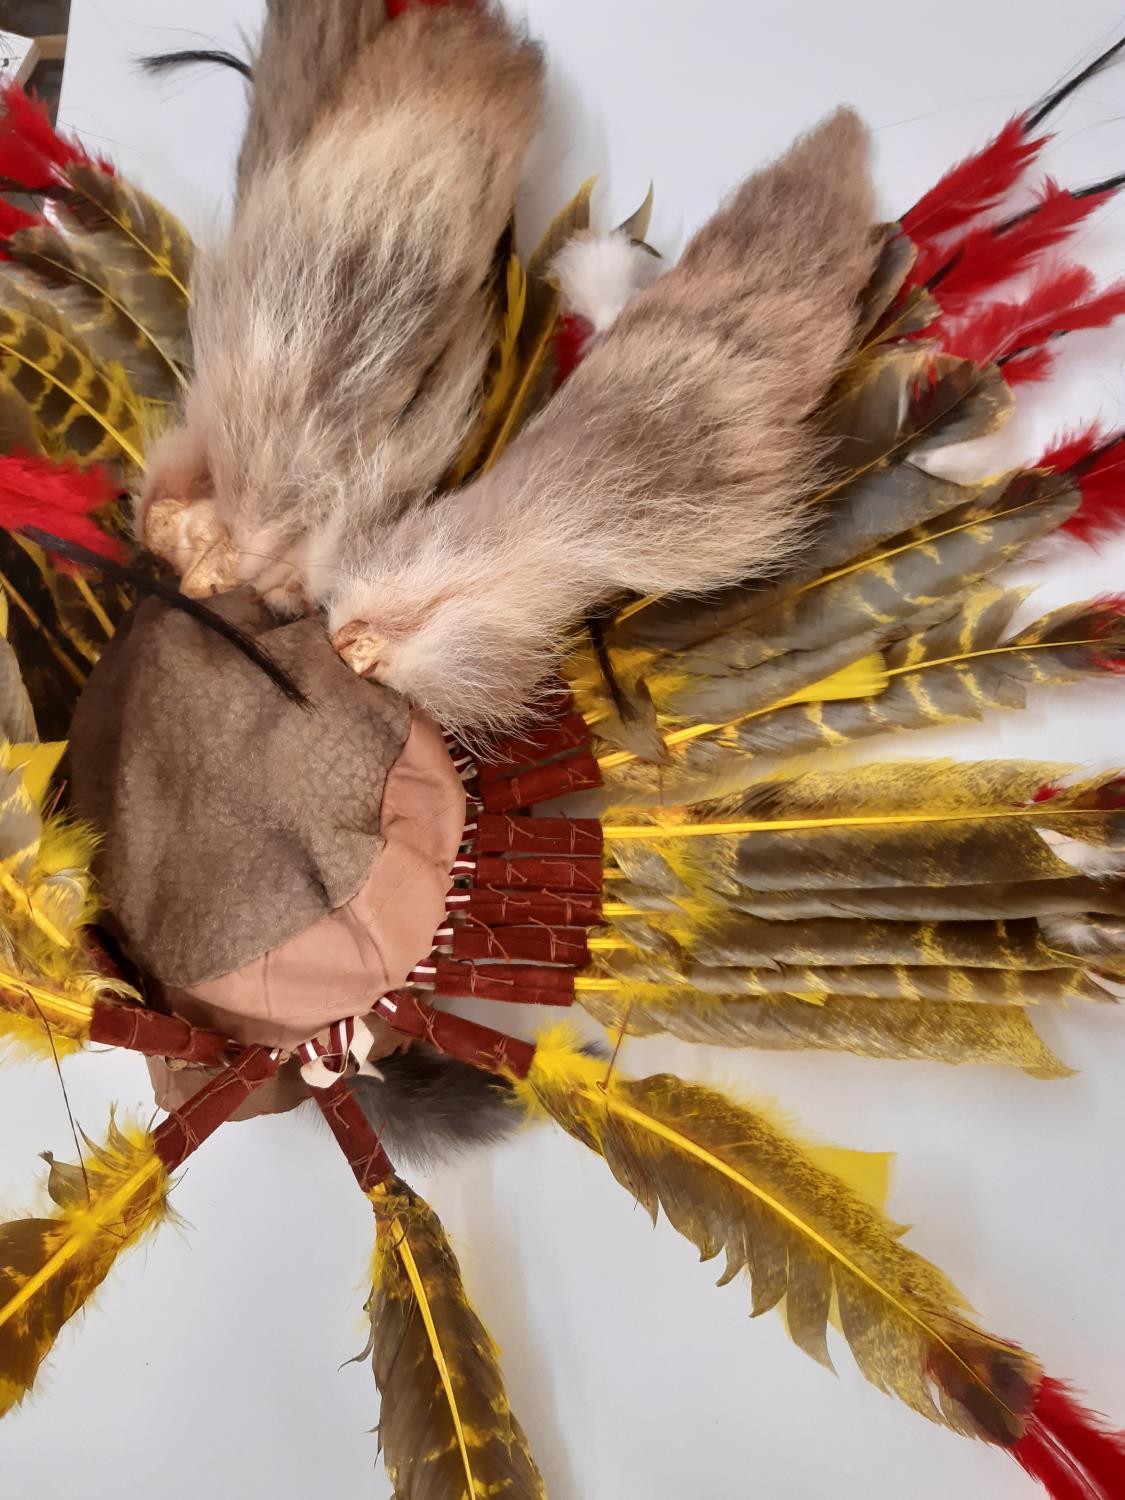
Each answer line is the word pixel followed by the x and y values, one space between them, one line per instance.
pixel 947 1031
pixel 83 407
pixel 48 986
pixel 865 678
pixel 530 380
pixel 445 1426
pixel 503 378
pixel 729 1179
pixel 50 1266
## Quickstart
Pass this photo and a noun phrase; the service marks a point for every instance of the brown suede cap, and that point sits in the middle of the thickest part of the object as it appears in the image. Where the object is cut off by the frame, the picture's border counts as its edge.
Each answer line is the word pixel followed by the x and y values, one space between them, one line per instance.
pixel 231 818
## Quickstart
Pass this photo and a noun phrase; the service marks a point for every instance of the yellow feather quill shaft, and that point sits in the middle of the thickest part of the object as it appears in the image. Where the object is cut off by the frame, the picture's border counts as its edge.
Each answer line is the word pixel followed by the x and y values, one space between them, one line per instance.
pixel 621 833
pixel 539 318
pixel 499 393
pixel 859 679
pixel 446 1428
pixel 48 986
pixel 50 1267
pixel 729 1179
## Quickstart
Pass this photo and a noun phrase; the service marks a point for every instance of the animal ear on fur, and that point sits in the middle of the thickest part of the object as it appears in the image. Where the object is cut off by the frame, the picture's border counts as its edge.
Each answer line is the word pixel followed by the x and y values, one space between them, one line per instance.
pixel 676 457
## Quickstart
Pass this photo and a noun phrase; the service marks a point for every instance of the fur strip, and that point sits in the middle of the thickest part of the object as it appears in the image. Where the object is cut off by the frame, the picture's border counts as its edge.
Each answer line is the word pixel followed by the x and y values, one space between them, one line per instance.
pixel 674 460
pixel 427 1108
pixel 304 61
pixel 341 333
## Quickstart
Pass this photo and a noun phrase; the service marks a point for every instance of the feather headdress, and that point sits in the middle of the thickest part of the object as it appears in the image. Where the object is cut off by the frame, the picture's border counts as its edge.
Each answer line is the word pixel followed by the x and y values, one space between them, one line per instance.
pixel 626 540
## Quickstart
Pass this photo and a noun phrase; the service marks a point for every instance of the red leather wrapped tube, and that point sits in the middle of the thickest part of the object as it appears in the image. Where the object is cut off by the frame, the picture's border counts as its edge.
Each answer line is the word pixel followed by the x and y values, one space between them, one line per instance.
pixel 138 1029
pixel 569 733
pixel 455 1036
pixel 552 945
pixel 354 1134
pixel 542 873
pixel 497 908
pixel 515 984
pixel 186 1129
pixel 498 833
pixel 579 773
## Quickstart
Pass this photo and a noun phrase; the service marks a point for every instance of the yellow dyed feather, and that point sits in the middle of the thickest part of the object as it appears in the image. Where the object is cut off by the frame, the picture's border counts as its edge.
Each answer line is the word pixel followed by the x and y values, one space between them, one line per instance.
pixel 530 385
pixel 50 1266
pixel 953 1032
pixel 83 408
pixel 865 678
pixel 48 986
pixel 90 292
pixel 446 1428
pixel 145 245
pixel 37 763
pixel 729 1179
pixel 83 609
pixel 904 823
pixel 499 393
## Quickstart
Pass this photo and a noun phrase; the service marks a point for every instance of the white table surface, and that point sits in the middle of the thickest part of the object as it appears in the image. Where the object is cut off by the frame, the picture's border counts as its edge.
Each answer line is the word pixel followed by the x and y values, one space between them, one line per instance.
pixel 209 1365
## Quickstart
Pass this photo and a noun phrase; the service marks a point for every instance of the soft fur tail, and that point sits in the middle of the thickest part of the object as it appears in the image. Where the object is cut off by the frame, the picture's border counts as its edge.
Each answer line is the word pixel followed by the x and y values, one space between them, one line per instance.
pixel 305 56
pixel 674 460
pixel 341 332
pixel 428 1108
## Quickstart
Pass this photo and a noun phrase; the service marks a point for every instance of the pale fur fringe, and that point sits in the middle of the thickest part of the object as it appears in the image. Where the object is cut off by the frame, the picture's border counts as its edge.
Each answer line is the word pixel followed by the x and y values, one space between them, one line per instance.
pixel 599 273
pixel 342 331
pixel 674 459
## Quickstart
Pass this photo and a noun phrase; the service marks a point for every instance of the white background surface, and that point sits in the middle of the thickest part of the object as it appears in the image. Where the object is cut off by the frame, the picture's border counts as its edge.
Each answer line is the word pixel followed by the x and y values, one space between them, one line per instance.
pixel 209 1365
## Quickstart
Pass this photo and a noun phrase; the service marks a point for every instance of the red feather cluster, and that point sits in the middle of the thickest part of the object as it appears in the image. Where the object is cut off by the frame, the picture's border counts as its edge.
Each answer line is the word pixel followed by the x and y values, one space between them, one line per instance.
pixel 974 185
pixel 1070 448
pixel 985 258
pixel 56 498
pixel 964 274
pixel 572 334
pixel 1069 1450
pixel 1062 301
pixel 32 152
pixel 1103 494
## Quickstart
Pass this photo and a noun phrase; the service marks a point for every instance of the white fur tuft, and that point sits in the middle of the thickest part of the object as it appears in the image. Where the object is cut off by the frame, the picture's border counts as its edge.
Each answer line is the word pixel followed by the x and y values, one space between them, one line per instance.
pixel 598 273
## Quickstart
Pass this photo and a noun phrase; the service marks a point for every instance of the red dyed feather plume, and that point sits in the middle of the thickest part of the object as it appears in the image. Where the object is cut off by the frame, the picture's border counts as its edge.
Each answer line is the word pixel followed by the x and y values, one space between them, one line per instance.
pixel 1016 333
pixel 572 335
pixel 1103 495
pixel 1004 327
pixel 57 498
pixel 1070 448
pixel 32 152
pixel 974 185
pixel 985 258
pixel 1070 1450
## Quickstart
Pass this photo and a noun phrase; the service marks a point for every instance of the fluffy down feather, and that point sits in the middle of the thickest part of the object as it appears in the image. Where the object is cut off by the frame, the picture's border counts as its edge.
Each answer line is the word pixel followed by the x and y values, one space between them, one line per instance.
pixel 674 460
pixel 599 273
pixel 341 332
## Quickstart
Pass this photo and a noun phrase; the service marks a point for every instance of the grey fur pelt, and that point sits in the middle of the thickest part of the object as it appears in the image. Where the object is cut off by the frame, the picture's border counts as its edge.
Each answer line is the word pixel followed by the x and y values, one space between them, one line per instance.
pixel 429 1107
pixel 342 329
pixel 675 459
